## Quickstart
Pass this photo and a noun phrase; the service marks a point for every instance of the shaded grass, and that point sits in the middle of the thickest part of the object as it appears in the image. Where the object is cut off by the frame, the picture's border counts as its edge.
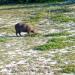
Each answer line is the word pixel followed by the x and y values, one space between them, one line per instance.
pixel 55 43
pixel 61 9
pixel 21 6
pixel 57 34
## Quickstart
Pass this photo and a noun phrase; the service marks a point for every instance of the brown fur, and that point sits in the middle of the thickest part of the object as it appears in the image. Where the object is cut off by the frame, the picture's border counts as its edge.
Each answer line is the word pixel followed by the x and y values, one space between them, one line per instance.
pixel 21 27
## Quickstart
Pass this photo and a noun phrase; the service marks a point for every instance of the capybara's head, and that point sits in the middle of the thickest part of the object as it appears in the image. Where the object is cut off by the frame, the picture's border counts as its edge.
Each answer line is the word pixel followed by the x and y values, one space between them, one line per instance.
pixel 32 31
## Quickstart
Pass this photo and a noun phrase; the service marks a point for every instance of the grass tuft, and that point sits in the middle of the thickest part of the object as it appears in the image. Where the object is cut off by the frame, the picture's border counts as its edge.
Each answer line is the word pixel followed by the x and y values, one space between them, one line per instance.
pixel 3 39
pixel 55 43
pixel 62 18
pixel 69 68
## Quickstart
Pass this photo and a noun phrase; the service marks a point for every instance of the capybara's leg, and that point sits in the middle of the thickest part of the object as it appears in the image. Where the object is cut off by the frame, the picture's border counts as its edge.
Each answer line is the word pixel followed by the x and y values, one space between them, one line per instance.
pixel 20 33
pixel 16 33
pixel 28 33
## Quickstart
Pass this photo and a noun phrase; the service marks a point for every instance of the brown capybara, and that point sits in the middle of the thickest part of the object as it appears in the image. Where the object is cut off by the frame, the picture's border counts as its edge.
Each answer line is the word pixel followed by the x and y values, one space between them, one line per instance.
pixel 21 27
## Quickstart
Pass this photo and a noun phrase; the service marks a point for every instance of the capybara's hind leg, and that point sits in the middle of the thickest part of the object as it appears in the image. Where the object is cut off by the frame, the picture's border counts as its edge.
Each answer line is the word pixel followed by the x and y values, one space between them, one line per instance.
pixel 17 33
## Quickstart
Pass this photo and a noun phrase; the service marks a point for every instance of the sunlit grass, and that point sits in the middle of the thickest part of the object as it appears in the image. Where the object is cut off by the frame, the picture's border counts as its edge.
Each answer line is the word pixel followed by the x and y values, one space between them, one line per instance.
pixel 9 29
pixel 55 43
pixel 62 18
pixel 33 14
pixel 58 34
pixel 70 68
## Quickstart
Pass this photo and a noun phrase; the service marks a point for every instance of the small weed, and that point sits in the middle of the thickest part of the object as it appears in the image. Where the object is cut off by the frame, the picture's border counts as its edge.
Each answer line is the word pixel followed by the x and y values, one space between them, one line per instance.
pixel 3 39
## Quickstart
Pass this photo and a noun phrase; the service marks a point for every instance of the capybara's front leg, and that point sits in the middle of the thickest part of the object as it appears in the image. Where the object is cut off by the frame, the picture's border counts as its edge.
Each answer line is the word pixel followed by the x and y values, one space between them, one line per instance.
pixel 28 33
pixel 20 33
pixel 16 33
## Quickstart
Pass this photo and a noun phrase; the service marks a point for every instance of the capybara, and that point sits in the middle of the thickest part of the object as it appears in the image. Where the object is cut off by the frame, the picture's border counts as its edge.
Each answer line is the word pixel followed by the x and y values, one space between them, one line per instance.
pixel 21 27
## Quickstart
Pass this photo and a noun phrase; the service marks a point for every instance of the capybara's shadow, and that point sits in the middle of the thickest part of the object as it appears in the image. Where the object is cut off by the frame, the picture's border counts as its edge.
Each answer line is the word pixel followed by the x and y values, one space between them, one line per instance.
pixel 25 35
pixel 31 35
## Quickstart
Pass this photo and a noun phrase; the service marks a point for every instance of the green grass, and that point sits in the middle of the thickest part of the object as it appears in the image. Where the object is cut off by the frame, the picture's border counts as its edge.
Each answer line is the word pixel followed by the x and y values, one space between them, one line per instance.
pixel 7 29
pixel 58 14
pixel 38 16
pixel 68 68
pixel 71 38
pixel 61 9
pixel 58 34
pixel 42 13
pixel 3 39
pixel 62 18
pixel 55 43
